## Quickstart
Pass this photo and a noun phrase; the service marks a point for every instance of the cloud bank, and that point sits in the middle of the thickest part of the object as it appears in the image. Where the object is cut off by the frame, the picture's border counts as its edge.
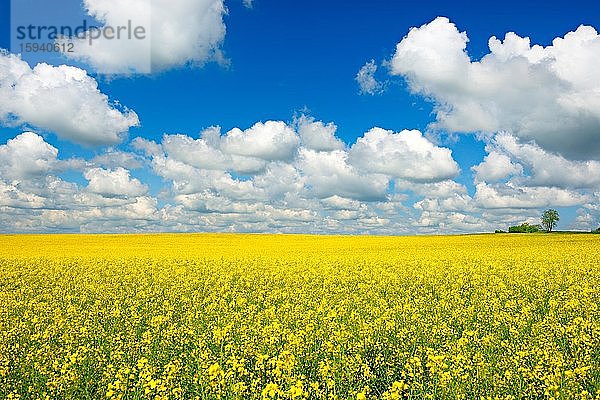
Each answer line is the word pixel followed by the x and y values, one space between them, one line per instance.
pixel 272 176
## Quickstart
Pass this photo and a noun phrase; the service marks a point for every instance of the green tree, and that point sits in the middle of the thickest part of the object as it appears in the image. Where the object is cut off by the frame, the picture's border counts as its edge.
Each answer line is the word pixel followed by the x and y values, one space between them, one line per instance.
pixel 524 228
pixel 549 219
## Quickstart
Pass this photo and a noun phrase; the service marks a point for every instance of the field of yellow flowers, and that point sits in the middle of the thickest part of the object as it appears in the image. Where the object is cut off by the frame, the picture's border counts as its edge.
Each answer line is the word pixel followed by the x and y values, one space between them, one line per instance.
pixel 299 317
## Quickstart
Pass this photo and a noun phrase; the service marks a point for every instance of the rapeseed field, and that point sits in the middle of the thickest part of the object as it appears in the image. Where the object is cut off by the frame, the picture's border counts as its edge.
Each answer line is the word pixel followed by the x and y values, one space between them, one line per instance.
pixel 299 317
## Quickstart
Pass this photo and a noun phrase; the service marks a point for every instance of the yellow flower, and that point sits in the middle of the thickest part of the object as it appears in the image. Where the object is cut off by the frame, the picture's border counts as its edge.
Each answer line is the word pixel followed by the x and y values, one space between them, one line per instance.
pixel 270 391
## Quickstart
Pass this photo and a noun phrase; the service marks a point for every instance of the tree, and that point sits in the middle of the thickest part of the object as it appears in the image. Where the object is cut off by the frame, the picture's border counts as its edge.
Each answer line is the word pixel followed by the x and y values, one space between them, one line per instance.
pixel 524 228
pixel 549 219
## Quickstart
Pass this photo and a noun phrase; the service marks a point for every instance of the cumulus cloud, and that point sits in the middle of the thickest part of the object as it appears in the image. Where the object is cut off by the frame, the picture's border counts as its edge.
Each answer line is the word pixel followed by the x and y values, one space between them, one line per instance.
pixel 549 169
pixel 495 167
pixel 406 155
pixel 175 34
pixel 320 182
pixel 433 222
pixel 113 183
pixel 245 152
pixel 12 197
pixel 547 94
pixel 385 183
pixel 203 154
pixel 34 198
pixel 585 220
pixel 302 166
pixel 281 182
pixel 113 159
pixel 26 156
pixel 336 202
pixel 313 191
pixel 366 79
pixel 442 189
pixel 186 179
pixel 518 176
pixel 148 147
pixel 271 141
pixel 516 197
pixel 317 135
pixel 444 207
pixel 588 216
pixel 527 164
pixel 63 99
pixel 241 151
pixel 329 173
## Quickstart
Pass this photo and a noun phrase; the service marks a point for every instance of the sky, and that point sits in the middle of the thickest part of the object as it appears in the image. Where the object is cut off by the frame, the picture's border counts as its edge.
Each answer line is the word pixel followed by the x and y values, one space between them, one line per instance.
pixel 347 117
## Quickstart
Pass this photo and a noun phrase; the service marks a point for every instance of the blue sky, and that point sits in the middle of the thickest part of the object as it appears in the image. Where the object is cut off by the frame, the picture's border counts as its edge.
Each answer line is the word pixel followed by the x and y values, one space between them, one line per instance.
pixel 285 59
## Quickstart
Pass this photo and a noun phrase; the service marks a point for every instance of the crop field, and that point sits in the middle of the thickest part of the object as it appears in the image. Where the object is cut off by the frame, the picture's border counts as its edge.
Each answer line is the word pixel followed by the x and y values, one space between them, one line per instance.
pixel 299 317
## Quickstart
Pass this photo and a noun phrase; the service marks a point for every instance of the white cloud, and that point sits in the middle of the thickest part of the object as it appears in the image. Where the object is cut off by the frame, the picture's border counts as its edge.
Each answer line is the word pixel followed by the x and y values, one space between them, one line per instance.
pixel 445 207
pixel 288 173
pixel 143 208
pixel 138 215
pixel 434 222
pixel 114 183
pixel 211 203
pixel 447 188
pixel 206 153
pixel 318 136
pixel 175 34
pixel 272 140
pixel 112 159
pixel 280 181
pixel 511 196
pixel 366 79
pixel 12 196
pixel 148 147
pixel 548 169
pixel 548 94
pixel 63 99
pixel 329 173
pixel 308 190
pixel 197 153
pixel 406 155
pixel 34 199
pixel 340 203
pixel 585 220
pixel 187 179
pixel 589 214
pixel 454 203
pixel 26 156
pixel 495 167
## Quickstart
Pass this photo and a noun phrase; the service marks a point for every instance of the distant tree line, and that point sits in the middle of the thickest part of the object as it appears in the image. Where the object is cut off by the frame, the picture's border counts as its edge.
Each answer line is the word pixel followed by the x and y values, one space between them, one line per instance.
pixel 549 219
